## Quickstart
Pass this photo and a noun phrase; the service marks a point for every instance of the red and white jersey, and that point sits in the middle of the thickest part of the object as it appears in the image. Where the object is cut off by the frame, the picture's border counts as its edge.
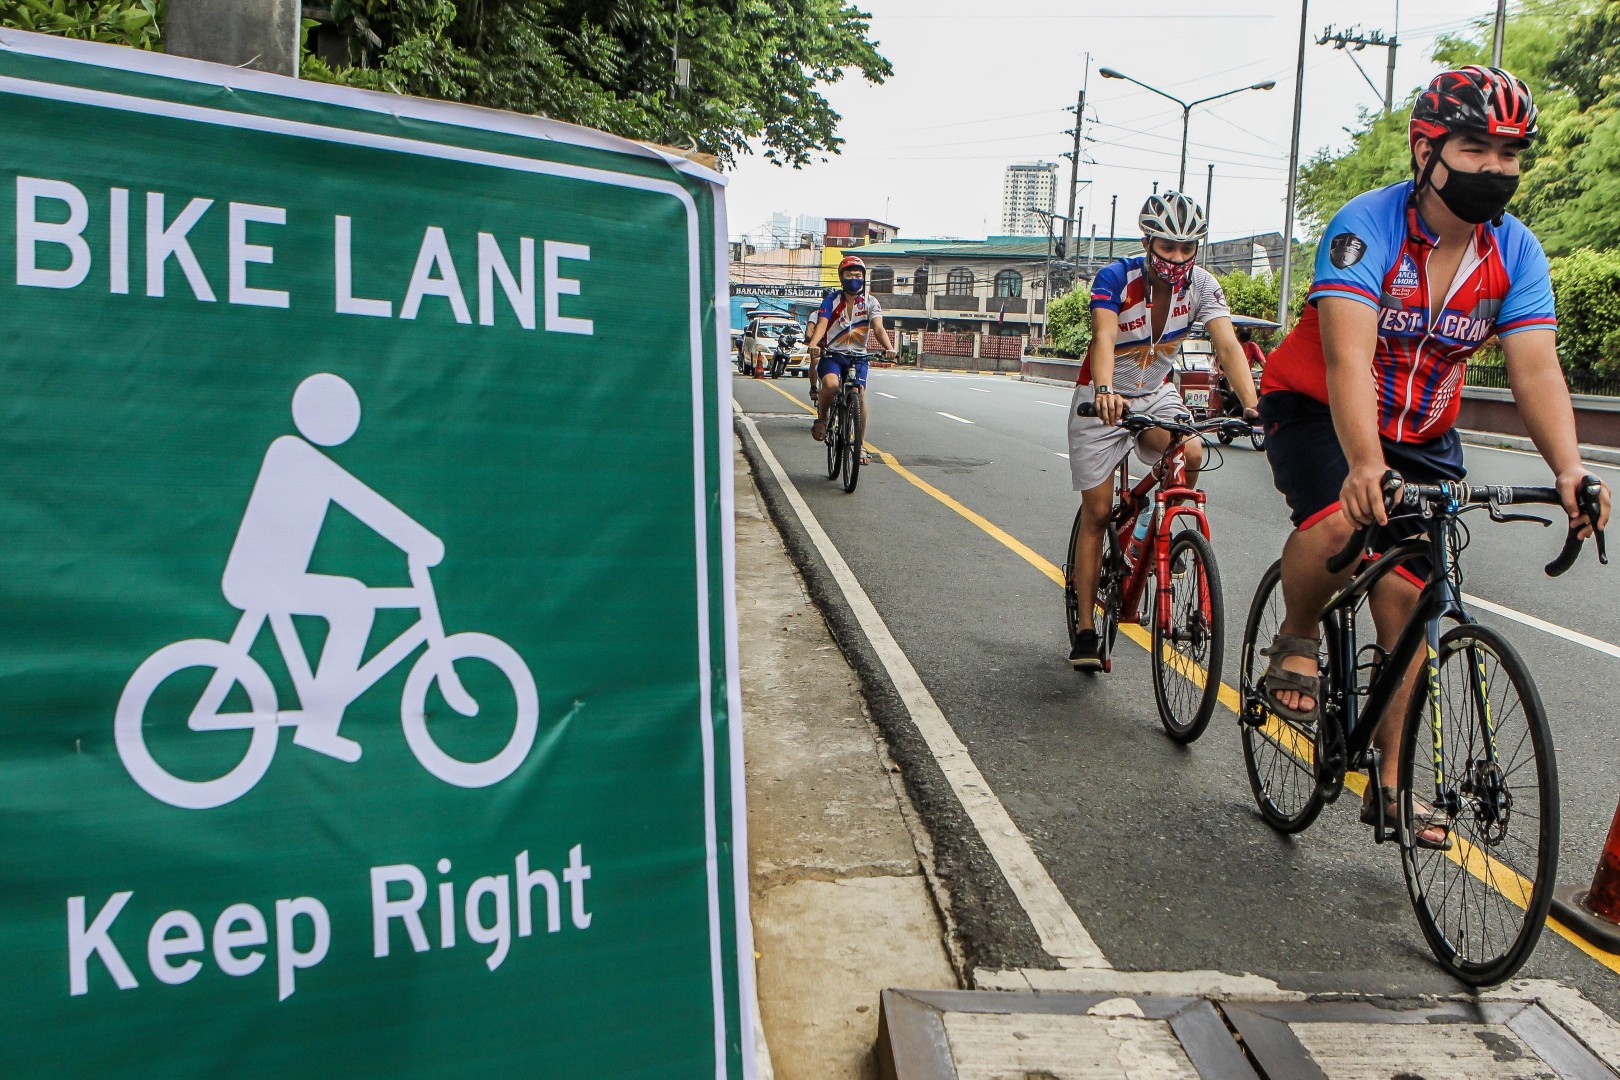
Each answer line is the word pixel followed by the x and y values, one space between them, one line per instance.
pixel 848 319
pixel 1141 362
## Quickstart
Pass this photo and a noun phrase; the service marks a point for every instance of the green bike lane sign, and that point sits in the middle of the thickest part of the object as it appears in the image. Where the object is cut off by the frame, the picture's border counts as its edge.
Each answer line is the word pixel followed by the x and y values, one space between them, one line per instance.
pixel 367 678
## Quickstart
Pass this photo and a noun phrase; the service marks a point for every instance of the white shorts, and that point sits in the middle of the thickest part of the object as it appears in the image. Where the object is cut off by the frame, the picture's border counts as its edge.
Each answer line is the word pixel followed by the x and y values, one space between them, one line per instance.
pixel 1096 448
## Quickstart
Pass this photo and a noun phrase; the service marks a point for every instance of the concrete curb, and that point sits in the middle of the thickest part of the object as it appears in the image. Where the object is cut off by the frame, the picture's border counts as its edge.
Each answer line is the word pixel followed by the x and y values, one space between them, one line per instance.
pixel 1607 455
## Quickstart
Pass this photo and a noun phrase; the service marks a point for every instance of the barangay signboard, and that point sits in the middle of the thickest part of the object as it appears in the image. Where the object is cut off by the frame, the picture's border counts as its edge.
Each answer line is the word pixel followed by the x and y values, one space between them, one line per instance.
pixel 368 660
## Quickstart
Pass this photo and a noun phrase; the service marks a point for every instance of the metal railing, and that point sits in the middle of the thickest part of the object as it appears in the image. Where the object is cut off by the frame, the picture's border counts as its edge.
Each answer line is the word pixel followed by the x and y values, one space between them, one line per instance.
pixel 1580 382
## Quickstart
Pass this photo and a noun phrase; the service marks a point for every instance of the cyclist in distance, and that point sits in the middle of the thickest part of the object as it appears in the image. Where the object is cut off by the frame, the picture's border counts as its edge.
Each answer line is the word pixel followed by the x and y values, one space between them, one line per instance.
pixel 1410 280
pixel 845 317
pixel 1141 309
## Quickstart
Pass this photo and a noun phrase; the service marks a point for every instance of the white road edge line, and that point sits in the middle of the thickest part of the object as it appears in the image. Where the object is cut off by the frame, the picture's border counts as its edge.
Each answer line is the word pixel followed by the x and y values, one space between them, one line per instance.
pixel 1537 456
pixel 1054 404
pixel 953 416
pixel 880 393
pixel 1595 644
pixel 978 390
pixel 1061 454
pixel 1062 934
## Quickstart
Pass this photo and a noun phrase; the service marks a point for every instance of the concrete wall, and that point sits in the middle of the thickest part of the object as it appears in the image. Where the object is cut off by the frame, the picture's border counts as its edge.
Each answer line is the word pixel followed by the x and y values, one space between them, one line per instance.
pixel 1597 419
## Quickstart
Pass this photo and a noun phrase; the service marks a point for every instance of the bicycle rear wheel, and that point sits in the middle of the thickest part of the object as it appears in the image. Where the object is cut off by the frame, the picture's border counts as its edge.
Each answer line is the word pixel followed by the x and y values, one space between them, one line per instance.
pixel 834 426
pixel 1483 903
pixel 1110 581
pixel 1278 754
pixel 1187 650
pixel 1071 599
pixel 851 415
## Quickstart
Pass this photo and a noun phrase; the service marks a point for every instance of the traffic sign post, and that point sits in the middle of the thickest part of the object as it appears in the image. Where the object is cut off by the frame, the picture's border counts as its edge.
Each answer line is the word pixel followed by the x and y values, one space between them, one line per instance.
pixel 368 660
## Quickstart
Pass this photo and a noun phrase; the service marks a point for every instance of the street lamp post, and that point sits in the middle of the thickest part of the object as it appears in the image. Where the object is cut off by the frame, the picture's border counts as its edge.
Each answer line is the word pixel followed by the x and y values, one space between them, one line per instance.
pixel 1046 284
pixel 1186 109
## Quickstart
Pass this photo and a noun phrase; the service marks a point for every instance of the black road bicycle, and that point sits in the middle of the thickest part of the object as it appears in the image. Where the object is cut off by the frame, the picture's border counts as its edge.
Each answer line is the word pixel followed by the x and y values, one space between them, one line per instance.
pixel 843 435
pixel 1476 745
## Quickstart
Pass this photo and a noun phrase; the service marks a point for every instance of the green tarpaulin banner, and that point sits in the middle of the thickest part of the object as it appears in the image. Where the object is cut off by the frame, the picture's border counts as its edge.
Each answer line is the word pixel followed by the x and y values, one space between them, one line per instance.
pixel 367 674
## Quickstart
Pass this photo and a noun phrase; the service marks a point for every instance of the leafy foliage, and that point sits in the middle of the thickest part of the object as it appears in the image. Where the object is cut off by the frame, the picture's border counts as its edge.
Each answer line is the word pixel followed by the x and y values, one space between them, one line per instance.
pixel 756 64
pixel 115 22
pixel 1068 327
pixel 1587 286
pixel 1256 295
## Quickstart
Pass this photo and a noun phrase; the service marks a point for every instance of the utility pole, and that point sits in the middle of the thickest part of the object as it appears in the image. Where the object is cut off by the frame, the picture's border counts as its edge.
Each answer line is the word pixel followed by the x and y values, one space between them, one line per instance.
pixel 1353 36
pixel 261 34
pixel 1074 164
pixel 1293 169
pixel 1209 196
pixel 1498 32
pixel 1113 209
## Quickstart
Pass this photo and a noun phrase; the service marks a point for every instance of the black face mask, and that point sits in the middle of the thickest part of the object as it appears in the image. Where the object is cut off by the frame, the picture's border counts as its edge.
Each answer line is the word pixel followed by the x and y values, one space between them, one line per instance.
pixel 1477 197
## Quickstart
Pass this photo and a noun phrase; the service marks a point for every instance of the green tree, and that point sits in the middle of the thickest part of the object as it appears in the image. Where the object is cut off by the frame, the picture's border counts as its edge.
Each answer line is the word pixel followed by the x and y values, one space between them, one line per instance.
pixel 114 22
pixel 756 65
pixel 1586 286
pixel 1068 325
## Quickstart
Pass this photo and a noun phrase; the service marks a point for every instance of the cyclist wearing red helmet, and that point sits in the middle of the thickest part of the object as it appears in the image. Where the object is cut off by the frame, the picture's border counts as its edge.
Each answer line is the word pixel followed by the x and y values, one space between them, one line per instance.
pixel 843 322
pixel 1410 280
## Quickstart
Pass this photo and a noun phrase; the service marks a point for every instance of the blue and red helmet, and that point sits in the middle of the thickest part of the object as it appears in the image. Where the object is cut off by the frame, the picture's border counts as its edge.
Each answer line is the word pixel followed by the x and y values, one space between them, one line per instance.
pixel 1480 100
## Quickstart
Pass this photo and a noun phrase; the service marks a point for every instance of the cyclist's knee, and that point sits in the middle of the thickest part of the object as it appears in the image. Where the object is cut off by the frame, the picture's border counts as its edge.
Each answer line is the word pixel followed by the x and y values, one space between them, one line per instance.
pixel 1195 454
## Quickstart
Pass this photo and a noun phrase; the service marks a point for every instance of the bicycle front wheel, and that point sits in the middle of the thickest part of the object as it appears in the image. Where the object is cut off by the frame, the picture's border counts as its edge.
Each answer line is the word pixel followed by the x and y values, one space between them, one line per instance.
pixel 1187 648
pixel 834 425
pixel 853 411
pixel 1478 746
pixel 1278 754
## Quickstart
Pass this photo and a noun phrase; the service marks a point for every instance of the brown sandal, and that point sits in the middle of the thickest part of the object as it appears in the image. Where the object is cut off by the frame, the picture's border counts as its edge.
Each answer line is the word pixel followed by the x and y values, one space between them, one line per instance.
pixel 1278 678
pixel 1424 818
pixel 818 430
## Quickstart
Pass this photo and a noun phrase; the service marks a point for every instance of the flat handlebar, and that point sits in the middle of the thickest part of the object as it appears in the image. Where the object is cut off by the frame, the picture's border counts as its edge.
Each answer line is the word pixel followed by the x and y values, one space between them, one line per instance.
pixel 1413 496
pixel 1137 422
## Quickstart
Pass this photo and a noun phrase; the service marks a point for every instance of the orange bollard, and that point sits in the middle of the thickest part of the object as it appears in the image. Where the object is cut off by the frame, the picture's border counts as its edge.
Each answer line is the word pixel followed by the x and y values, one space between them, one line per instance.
pixel 1594 913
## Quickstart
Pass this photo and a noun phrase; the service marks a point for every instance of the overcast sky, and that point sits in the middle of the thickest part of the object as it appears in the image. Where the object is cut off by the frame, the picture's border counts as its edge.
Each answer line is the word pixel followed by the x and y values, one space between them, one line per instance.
pixel 979 85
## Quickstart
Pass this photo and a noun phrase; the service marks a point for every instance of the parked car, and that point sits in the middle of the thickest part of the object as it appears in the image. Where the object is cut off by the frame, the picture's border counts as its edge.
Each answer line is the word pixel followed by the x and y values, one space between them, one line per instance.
pixel 760 340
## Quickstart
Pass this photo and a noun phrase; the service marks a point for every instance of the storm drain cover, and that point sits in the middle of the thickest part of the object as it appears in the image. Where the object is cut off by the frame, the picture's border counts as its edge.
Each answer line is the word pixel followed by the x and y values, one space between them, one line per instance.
pixel 988 1035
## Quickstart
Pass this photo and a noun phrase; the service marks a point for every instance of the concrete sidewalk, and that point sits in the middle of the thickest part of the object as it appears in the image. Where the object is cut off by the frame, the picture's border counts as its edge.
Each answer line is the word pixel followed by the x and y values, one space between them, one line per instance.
pixel 842 909
pixel 848 927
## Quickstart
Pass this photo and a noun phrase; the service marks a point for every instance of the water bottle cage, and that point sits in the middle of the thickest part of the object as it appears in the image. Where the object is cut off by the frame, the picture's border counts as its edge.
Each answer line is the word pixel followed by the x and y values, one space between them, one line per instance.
pixel 1372 665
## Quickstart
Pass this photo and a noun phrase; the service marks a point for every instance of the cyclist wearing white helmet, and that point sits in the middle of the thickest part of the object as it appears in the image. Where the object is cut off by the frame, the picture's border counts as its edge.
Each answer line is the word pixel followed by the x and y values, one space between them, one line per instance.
pixel 1141 309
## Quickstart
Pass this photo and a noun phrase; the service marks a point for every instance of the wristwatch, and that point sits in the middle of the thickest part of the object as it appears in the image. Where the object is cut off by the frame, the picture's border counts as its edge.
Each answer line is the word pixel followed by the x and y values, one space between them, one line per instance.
pixel 1104 388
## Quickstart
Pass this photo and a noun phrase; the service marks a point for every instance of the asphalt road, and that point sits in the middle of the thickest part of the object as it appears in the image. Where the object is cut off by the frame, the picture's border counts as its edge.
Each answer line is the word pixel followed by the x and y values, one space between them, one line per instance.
pixel 1158 848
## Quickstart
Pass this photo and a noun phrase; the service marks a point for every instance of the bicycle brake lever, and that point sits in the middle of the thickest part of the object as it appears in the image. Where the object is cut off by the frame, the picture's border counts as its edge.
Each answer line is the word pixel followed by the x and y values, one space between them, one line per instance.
pixel 1498 516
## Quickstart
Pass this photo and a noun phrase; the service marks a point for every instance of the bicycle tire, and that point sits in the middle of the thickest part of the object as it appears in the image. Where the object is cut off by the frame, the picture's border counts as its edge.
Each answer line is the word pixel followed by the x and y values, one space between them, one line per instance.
pixel 1505 882
pixel 854 408
pixel 1282 771
pixel 1071 599
pixel 1257 439
pixel 1109 580
pixel 1195 638
pixel 830 435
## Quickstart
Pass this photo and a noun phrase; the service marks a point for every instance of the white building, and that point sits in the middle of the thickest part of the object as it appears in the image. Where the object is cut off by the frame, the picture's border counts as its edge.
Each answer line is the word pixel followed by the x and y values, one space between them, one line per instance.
pixel 1030 183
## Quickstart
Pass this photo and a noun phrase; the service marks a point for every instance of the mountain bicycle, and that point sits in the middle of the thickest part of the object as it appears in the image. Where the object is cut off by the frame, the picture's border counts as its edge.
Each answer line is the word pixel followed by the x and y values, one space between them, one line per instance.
pixel 1476 742
pixel 1185 609
pixel 844 416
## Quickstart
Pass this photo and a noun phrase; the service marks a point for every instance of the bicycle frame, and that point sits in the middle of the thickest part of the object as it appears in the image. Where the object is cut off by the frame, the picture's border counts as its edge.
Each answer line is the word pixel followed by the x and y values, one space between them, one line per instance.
pixel 1440 599
pixel 1170 501
pixel 428 630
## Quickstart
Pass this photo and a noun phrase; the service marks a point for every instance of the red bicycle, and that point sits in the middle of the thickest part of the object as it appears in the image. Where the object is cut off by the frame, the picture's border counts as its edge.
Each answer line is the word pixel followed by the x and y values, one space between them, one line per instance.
pixel 1184 607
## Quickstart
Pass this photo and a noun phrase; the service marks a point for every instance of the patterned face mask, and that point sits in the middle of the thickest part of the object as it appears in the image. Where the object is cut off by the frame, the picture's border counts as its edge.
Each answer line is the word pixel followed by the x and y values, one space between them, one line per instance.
pixel 1173 273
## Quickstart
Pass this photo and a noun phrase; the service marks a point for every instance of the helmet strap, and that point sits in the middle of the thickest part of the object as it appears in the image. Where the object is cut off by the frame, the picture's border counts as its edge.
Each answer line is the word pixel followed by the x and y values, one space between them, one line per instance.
pixel 1436 146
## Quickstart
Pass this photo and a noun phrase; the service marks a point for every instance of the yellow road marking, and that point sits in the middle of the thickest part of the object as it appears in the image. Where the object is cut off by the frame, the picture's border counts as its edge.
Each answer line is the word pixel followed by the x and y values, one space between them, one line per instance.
pixel 1482 866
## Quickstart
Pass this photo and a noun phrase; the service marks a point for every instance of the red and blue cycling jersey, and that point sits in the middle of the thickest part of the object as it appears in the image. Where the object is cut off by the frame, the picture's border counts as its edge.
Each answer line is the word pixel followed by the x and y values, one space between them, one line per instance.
pixel 1376 251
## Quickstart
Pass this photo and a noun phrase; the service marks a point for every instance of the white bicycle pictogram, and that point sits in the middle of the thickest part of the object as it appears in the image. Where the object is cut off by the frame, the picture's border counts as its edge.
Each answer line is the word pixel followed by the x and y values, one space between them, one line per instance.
pixel 267 578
